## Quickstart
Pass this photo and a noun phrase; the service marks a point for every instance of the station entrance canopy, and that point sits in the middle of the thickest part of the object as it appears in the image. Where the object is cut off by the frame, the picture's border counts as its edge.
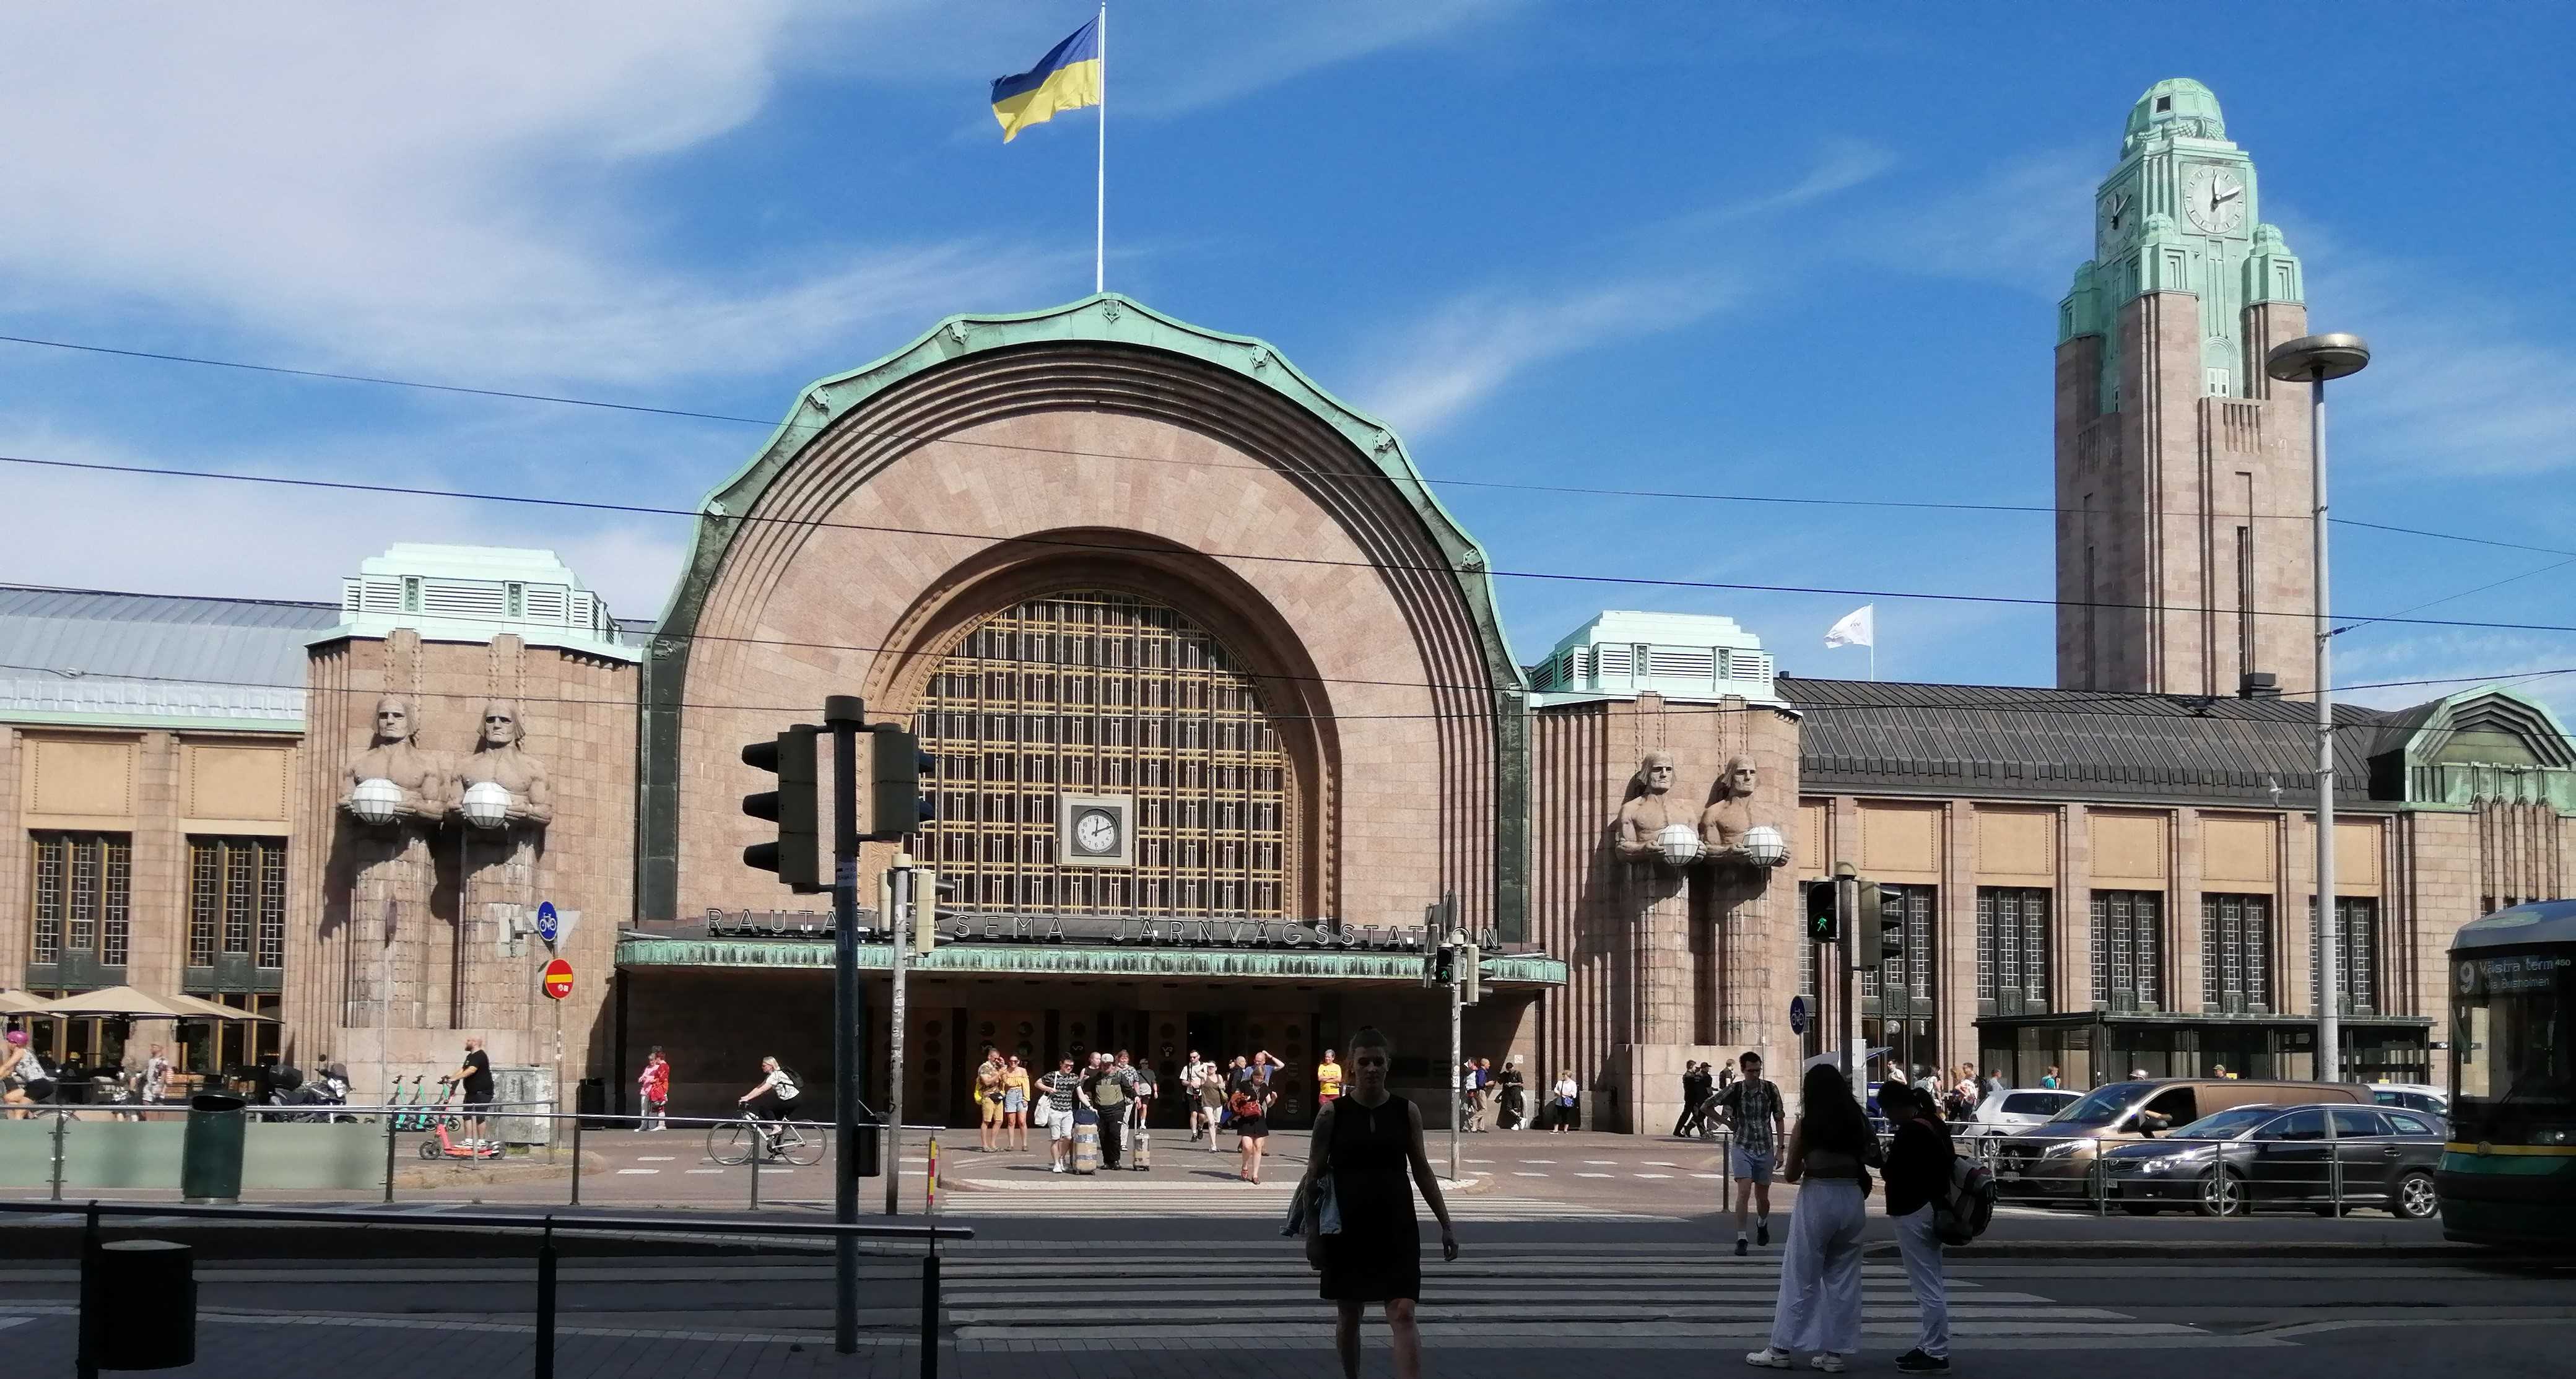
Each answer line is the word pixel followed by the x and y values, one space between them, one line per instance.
pixel 1077 946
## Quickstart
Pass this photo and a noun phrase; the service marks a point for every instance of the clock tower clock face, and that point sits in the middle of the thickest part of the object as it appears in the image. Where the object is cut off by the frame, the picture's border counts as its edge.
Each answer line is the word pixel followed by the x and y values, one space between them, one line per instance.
pixel 2115 215
pixel 1096 832
pixel 2214 199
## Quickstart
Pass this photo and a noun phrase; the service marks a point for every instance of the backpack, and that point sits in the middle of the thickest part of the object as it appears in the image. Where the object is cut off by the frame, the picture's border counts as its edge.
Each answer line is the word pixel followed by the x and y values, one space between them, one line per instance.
pixel 794 1084
pixel 1962 1214
pixel 1108 1092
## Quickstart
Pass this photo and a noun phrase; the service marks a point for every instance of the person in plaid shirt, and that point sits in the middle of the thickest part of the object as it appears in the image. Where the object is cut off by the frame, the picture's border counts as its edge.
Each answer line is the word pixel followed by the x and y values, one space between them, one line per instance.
pixel 1751 1105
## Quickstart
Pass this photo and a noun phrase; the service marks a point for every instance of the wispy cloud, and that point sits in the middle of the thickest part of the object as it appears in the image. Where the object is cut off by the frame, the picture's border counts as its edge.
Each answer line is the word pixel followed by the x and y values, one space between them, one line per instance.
pixel 2459 383
pixel 2024 223
pixel 1438 366
pixel 189 536
pixel 424 187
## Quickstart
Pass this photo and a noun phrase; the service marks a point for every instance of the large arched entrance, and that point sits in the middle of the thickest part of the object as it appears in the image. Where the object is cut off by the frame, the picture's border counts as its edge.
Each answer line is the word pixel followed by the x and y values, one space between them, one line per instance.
pixel 1109 693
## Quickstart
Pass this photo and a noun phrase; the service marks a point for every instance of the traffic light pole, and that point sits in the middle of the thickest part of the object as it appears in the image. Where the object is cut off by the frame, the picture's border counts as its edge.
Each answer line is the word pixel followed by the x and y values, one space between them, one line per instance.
pixel 1847 911
pixel 844 713
pixel 898 938
pixel 1457 1058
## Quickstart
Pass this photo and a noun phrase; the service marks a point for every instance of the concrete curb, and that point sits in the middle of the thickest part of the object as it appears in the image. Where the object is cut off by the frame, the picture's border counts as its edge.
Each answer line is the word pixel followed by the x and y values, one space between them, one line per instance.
pixel 2214 1249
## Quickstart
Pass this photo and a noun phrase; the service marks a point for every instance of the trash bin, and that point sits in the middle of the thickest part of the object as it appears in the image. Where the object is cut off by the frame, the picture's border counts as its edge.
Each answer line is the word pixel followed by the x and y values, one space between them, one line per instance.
pixel 210 1156
pixel 145 1293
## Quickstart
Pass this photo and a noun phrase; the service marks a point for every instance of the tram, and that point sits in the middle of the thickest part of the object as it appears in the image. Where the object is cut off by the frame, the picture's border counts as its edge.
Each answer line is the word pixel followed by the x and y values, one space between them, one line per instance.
pixel 2508 1174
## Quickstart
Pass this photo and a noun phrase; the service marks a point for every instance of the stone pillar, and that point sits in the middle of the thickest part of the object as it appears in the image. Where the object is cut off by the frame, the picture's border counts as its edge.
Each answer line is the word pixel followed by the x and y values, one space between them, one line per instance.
pixel 493 985
pixel 389 919
pixel 1659 947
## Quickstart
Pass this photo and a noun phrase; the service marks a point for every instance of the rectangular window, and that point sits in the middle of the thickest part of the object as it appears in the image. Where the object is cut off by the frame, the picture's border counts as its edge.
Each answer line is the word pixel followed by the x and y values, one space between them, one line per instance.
pixel 237 900
pixel 83 890
pixel 2356 954
pixel 2012 949
pixel 2236 954
pixel 2128 949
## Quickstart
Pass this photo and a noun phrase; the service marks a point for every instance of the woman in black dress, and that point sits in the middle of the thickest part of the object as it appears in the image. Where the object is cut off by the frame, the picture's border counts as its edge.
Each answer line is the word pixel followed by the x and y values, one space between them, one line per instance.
pixel 1370 1141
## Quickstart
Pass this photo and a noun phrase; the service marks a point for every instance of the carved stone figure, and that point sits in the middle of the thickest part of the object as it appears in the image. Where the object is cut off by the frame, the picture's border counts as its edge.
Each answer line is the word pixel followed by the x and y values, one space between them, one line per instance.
pixel 498 760
pixel 1730 813
pixel 396 756
pixel 1650 808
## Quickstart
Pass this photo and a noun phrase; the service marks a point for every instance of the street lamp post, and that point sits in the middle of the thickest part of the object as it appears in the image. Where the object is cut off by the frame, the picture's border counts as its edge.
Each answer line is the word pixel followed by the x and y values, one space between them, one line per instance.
pixel 2313 359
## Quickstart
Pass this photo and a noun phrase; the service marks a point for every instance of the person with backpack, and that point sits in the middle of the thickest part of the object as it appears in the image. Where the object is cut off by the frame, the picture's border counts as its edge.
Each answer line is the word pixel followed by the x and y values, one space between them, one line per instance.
pixel 1112 1086
pixel 777 1090
pixel 1920 1158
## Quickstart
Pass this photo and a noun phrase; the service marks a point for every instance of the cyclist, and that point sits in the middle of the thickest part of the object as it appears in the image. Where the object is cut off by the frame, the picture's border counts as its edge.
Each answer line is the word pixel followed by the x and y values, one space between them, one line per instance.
pixel 769 1101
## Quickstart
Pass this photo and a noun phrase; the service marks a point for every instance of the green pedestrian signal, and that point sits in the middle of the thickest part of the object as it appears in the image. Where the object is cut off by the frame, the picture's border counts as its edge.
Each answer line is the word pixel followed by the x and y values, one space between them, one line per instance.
pixel 1822 925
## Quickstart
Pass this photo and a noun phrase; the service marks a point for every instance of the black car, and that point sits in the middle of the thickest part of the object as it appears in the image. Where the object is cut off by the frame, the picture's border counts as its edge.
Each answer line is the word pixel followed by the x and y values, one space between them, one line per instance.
pixel 2326 1158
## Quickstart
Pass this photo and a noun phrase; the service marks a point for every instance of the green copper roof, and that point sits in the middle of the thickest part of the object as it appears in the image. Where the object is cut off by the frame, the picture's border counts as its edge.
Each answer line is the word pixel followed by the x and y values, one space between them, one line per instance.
pixel 2176 105
pixel 1051 960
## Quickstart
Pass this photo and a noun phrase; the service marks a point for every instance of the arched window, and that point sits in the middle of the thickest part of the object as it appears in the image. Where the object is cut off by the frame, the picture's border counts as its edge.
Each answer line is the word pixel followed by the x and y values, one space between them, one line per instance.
pixel 1100 692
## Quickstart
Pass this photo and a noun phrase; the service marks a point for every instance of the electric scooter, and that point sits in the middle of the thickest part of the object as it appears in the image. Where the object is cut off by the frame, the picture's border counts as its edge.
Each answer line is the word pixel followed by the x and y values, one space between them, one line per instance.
pixel 442 1147
pixel 405 1118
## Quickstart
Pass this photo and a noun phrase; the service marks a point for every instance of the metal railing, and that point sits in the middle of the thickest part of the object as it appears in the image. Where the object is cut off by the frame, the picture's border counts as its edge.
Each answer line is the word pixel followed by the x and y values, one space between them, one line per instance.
pixel 400 1120
pixel 2237 1178
pixel 93 1310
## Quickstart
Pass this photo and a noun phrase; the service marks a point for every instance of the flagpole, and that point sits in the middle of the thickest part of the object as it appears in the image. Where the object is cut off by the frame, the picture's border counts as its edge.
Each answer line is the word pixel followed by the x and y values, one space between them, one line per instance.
pixel 1100 188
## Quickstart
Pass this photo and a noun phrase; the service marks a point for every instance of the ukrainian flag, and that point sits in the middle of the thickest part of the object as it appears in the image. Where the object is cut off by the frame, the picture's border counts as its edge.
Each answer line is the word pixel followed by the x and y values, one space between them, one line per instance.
pixel 1067 78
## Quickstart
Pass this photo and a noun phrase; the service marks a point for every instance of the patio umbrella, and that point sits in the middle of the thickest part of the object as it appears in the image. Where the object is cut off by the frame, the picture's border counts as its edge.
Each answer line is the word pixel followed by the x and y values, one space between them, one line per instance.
pixel 199 1008
pixel 18 1003
pixel 114 1001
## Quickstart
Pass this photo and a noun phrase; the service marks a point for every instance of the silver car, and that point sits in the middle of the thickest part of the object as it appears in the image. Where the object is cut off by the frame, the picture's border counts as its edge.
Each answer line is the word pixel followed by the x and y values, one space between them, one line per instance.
pixel 2016 1109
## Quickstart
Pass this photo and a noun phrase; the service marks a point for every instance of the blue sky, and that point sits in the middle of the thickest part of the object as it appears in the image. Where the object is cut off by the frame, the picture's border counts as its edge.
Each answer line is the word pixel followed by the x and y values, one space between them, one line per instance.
pixel 1733 248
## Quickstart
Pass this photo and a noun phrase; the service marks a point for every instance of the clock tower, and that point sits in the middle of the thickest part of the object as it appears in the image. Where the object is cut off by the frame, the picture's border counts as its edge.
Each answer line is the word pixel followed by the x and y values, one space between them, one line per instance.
pixel 2184 561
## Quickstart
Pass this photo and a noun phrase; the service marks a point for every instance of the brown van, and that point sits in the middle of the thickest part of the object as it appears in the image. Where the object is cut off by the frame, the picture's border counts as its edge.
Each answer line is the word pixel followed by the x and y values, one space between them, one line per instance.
pixel 2055 1161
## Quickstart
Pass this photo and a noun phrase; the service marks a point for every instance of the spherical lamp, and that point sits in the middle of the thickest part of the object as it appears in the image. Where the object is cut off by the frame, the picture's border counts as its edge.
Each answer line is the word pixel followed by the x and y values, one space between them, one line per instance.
pixel 487 804
pixel 375 801
pixel 1763 846
pixel 1679 844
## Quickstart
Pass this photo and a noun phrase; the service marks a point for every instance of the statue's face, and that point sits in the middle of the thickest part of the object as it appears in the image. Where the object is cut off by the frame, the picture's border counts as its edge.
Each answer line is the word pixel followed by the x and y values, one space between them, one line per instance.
pixel 1741 780
pixel 393 720
pixel 1659 776
pixel 499 728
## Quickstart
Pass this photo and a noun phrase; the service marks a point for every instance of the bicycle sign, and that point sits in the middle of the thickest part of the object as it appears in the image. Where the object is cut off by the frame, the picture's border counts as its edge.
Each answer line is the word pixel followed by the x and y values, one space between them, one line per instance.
pixel 548 927
pixel 558 979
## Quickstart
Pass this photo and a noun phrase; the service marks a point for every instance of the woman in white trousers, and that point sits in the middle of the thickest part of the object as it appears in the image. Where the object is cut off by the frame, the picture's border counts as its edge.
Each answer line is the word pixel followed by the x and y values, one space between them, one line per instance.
pixel 1830 1150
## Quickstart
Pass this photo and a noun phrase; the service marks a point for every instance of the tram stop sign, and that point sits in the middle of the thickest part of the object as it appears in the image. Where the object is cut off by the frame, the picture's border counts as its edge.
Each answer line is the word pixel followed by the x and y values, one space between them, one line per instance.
pixel 1797 1015
pixel 558 979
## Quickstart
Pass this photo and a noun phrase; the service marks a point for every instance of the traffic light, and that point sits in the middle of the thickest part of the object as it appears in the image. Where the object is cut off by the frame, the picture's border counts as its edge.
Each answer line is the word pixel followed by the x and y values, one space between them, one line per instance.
pixel 896 808
pixel 925 911
pixel 797 856
pixel 1892 921
pixel 1444 964
pixel 1822 917
pixel 1471 972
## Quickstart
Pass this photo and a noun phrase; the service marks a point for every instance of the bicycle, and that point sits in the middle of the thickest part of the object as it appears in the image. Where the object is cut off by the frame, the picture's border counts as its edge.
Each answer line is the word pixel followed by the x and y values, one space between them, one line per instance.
pixel 734 1142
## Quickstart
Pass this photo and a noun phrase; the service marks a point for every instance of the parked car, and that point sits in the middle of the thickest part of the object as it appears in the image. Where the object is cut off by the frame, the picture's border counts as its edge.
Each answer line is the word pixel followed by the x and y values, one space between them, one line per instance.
pixel 2326 1157
pixel 2055 1160
pixel 2413 1096
pixel 2016 1109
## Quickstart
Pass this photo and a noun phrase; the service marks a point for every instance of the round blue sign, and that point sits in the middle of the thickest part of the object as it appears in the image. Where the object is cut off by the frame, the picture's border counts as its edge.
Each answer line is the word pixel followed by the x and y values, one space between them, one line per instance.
pixel 1797 1015
pixel 546 925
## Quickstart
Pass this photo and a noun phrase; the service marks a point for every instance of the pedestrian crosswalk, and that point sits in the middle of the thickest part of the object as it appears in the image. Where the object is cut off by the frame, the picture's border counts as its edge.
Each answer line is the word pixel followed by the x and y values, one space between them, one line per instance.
pixel 1647 1297
pixel 1090 1198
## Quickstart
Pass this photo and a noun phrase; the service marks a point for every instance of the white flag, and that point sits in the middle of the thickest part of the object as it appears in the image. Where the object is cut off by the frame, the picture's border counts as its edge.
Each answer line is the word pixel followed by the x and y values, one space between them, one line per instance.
pixel 1858 628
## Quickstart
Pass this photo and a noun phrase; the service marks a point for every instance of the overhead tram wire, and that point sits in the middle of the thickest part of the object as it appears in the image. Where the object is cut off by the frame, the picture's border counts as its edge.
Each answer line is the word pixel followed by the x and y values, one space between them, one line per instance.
pixel 1561 576
pixel 2104 708
pixel 797 423
pixel 2067 697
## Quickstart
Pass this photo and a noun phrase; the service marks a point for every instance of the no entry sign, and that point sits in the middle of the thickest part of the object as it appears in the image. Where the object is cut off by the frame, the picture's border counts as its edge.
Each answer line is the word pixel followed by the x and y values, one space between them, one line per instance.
pixel 558 979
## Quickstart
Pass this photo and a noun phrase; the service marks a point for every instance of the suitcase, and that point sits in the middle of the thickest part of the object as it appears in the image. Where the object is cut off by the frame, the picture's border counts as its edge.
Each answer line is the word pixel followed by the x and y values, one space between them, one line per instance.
pixel 1140 1149
pixel 1086 1147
